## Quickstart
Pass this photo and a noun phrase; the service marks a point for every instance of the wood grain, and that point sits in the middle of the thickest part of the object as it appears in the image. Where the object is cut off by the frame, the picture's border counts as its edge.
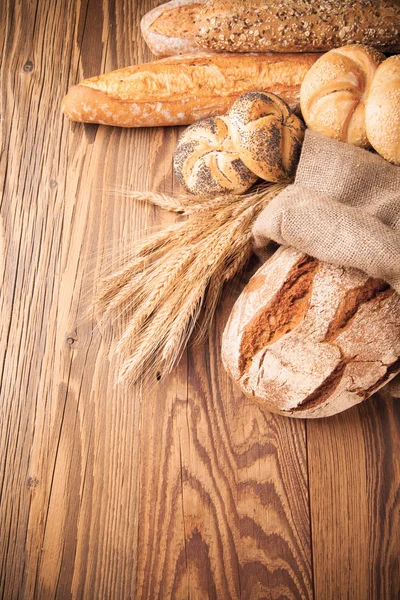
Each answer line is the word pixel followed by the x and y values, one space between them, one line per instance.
pixel 69 484
pixel 232 521
pixel 355 501
pixel 180 489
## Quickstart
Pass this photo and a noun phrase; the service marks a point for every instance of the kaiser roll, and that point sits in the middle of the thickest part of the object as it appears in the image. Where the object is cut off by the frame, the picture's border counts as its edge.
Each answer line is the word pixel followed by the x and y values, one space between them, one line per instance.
pixel 334 91
pixel 267 135
pixel 206 162
pixel 309 339
pixel 382 110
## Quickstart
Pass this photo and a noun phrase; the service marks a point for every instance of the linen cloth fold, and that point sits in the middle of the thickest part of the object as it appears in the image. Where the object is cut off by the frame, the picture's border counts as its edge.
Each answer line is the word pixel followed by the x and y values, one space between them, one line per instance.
pixel 343 208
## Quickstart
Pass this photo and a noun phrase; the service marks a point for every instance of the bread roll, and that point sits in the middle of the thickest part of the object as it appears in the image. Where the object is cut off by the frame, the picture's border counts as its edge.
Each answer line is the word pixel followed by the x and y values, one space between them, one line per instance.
pixel 308 339
pixel 382 110
pixel 334 91
pixel 206 162
pixel 297 25
pixel 267 135
pixel 183 89
pixel 169 29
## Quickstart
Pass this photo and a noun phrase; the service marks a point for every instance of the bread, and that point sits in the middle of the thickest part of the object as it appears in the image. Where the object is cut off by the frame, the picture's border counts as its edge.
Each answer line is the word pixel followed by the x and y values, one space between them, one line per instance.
pixel 297 25
pixel 333 93
pixel 183 89
pixel 267 135
pixel 169 29
pixel 206 162
pixel 308 339
pixel 382 110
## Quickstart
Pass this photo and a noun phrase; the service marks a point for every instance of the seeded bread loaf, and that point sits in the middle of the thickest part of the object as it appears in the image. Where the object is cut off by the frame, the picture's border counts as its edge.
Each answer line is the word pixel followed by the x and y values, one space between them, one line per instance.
pixel 207 162
pixel 183 89
pixel 168 29
pixel 297 25
pixel 308 339
pixel 267 135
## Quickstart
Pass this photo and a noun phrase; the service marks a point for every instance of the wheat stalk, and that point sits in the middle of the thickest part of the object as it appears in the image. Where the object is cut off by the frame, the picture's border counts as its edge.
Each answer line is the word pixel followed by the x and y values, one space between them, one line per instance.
pixel 176 272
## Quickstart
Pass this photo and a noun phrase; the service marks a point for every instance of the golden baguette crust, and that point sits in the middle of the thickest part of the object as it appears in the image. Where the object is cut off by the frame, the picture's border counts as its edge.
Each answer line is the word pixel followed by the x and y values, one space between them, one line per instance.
pixel 180 90
pixel 297 25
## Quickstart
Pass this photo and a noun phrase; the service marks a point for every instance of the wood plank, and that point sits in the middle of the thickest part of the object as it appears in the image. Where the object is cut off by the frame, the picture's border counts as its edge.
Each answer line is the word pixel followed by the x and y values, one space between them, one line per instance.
pixel 175 489
pixel 237 480
pixel 355 501
pixel 84 466
pixel 69 440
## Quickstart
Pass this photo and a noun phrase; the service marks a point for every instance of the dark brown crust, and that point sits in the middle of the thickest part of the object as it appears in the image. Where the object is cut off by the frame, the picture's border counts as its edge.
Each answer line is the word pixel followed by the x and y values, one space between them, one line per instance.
pixel 325 390
pixel 391 370
pixel 327 387
pixel 372 289
pixel 282 315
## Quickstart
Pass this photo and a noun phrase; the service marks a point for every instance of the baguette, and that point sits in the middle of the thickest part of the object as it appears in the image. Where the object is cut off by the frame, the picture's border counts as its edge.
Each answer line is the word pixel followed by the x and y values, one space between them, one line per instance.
pixel 297 25
pixel 309 339
pixel 183 89
pixel 169 29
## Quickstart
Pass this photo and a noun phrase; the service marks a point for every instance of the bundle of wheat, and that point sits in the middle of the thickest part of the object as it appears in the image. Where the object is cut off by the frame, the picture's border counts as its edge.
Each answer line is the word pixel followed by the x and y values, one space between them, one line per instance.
pixel 176 272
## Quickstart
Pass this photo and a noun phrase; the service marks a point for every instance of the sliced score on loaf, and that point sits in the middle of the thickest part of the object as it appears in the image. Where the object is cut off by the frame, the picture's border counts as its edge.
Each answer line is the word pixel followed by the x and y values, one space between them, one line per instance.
pixel 308 339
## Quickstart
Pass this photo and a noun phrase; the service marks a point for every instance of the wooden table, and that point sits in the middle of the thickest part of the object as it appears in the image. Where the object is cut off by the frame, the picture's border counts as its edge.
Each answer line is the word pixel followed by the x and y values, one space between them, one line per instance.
pixel 181 489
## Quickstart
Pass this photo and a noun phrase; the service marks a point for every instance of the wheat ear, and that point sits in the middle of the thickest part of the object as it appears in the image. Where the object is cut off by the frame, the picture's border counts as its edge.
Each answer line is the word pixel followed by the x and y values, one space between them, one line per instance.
pixel 175 273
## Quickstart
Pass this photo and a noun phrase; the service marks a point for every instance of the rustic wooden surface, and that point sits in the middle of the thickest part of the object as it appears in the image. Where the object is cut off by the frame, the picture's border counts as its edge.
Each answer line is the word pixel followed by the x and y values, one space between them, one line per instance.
pixel 176 490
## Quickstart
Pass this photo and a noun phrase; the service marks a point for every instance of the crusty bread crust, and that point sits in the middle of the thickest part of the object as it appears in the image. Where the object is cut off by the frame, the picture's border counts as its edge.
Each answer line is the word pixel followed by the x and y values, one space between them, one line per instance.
pixel 308 339
pixel 334 91
pixel 206 161
pixel 267 135
pixel 297 25
pixel 169 29
pixel 382 110
pixel 183 89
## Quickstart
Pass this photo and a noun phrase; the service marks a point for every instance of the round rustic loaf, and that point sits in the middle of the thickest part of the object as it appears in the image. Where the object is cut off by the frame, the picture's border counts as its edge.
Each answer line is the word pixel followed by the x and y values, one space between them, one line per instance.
pixel 309 339
pixel 382 110
pixel 267 135
pixel 206 162
pixel 334 91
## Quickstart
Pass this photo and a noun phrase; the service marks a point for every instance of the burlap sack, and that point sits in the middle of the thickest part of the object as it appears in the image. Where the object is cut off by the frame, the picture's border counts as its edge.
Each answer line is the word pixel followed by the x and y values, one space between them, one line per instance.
pixel 343 208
